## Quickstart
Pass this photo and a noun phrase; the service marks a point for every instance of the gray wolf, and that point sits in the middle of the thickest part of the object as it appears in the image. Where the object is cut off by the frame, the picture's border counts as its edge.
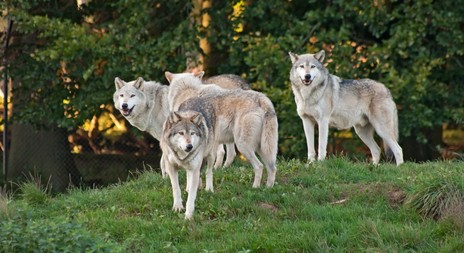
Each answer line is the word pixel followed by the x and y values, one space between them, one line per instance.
pixel 244 117
pixel 327 99
pixel 145 105
pixel 227 81
pixel 185 143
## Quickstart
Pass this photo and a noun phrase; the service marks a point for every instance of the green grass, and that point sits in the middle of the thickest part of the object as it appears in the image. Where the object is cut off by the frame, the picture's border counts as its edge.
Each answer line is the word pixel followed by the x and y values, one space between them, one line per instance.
pixel 330 206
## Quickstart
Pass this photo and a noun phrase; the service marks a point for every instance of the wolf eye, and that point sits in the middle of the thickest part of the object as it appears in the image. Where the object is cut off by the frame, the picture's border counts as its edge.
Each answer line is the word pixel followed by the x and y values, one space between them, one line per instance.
pixel 192 133
pixel 181 133
pixel 313 66
pixel 301 66
pixel 132 95
pixel 121 95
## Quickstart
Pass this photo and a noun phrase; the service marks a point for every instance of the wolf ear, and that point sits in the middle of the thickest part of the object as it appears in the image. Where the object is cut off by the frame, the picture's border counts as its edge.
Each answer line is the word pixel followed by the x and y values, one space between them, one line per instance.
pixel 169 76
pixel 174 117
pixel 196 119
pixel 320 56
pixel 138 84
pixel 118 83
pixel 200 74
pixel 293 57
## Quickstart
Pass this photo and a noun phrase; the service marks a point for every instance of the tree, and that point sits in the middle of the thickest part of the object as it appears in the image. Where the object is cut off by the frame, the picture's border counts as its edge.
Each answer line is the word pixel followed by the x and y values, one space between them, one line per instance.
pixel 68 58
pixel 412 47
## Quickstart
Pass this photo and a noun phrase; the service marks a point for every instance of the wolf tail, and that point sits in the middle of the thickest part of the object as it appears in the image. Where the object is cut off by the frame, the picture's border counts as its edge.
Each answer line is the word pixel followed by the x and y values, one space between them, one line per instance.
pixel 269 140
pixel 388 151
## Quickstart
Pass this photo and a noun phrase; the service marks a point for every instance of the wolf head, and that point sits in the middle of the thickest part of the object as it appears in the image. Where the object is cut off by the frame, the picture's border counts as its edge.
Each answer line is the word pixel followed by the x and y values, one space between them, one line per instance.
pixel 184 130
pixel 307 68
pixel 129 97
pixel 174 76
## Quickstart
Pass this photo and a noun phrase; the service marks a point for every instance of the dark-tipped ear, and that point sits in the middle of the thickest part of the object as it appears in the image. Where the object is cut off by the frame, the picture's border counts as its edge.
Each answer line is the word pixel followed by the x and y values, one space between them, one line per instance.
pixel 293 57
pixel 196 119
pixel 118 83
pixel 200 74
pixel 169 76
pixel 320 56
pixel 138 84
pixel 174 117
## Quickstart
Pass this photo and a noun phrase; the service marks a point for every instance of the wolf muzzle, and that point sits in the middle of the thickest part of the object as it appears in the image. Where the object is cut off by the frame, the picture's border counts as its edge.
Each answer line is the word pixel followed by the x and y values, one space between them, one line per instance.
pixel 126 110
pixel 307 79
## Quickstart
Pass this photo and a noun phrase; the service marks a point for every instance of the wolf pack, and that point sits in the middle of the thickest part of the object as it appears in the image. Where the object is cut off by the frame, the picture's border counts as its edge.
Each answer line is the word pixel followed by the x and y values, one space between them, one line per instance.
pixel 199 121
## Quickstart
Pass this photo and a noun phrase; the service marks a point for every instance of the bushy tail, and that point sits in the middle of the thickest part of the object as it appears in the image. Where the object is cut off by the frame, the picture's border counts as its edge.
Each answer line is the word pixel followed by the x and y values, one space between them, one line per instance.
pixel 390 157
pixel 269 135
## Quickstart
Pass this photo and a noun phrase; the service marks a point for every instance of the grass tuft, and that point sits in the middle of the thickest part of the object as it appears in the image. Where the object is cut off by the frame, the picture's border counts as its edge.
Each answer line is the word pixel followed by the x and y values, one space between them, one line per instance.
pixel 455 214
pixel 6 200
pixel 34 191
pixel 438 196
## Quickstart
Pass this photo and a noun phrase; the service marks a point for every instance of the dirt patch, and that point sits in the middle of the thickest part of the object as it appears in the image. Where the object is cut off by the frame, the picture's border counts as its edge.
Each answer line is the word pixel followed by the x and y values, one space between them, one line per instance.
pixel 393 194
pixel 268 206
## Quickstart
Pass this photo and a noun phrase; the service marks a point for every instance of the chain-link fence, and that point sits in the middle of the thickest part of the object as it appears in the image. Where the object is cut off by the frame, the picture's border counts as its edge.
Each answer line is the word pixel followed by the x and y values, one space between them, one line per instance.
pixel 105 150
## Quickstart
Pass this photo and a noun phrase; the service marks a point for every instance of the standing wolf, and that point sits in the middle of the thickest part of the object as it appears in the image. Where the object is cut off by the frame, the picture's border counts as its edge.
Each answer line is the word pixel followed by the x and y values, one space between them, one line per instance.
pixel 327 99
pixel 185 143
pixel 145 105
pixel 245 117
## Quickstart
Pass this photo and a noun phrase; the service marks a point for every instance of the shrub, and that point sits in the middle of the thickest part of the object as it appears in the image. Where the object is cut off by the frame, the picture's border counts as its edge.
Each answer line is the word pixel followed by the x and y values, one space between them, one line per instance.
pixel 18 235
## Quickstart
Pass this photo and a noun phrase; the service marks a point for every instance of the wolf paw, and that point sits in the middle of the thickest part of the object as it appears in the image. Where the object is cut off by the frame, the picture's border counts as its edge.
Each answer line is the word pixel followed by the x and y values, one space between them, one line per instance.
pixel 177 207
pixel 188 215
pixel 209 188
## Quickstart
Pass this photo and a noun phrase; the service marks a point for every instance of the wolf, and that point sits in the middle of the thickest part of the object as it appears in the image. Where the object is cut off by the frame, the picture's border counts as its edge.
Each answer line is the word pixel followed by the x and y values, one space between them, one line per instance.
pixel 326 99
pixel 244 117
pixel 227 81
pixel 185 143
pixel 145 105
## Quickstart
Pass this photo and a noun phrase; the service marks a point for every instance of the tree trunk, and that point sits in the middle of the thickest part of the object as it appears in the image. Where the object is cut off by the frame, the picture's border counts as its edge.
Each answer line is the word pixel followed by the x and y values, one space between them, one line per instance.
pixel 45 152
pixel 203 19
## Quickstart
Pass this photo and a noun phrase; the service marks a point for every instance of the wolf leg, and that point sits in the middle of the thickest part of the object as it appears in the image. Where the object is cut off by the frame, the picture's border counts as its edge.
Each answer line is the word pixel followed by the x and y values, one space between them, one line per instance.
pixel 163 166
pixel 176 192
pixel 247 138
pixel 323 125
pixel 194 177
pixel 209 173
pixel 391 142
pixel 251 156
pixel 308 126
pixel 366 133
pixel 220 156
pixel 230 147
pixel 385 123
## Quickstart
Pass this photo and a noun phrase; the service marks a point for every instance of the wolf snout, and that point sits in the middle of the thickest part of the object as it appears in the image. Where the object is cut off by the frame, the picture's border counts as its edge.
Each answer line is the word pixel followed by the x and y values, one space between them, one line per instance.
pixel 125 109
pixel 307 77
pixel 189 147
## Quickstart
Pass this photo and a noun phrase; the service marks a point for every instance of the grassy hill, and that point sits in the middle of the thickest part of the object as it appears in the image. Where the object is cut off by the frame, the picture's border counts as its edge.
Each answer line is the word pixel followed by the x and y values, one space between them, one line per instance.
pixel 331 206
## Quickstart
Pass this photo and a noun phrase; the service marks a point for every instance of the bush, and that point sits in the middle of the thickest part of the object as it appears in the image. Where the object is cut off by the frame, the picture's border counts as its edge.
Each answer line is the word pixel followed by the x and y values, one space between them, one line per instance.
pixel 438 196
pixel 18 235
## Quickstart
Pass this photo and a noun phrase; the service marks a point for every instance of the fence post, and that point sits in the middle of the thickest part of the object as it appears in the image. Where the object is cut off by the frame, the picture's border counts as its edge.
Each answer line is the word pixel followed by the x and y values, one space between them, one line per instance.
pixel 5 101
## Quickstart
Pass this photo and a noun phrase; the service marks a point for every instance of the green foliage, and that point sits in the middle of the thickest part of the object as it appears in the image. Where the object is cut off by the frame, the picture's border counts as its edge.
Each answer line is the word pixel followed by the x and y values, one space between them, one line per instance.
pixel 17 235
pixel 67 58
